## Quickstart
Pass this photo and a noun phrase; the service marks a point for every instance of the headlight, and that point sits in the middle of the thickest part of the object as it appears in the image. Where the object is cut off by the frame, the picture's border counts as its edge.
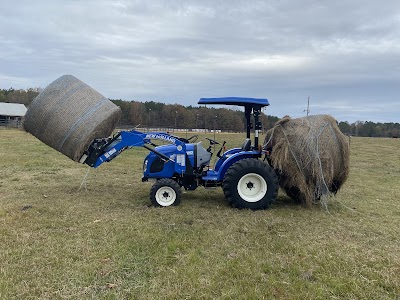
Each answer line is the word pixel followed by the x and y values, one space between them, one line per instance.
pixel 145 165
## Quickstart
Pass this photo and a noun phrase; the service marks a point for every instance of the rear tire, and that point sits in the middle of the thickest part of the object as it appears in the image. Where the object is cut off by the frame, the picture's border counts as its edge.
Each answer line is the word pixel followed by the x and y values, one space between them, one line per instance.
pixel 250 183
pixel 165 192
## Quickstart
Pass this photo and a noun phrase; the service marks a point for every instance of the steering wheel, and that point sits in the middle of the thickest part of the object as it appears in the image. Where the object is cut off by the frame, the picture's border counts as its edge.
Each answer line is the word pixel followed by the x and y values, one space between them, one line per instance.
pixel 193 138
pixel 212 142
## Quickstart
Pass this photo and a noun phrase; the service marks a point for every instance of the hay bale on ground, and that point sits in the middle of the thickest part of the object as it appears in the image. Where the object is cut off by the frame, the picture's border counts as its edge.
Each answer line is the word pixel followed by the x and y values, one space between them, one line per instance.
pixel 68 114
pixel 311 155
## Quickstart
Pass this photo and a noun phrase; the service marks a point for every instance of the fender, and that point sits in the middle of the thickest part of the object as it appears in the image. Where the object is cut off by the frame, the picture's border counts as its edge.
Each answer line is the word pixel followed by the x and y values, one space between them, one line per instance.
pixel 227 154
pixel 234 158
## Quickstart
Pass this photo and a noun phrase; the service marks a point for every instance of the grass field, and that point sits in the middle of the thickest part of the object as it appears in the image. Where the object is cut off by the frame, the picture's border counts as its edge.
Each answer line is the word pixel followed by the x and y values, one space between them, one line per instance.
pixel 106 242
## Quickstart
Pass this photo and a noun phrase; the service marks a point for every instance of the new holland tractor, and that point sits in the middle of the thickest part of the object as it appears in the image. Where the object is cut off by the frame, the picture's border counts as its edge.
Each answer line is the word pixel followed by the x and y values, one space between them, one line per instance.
pixel 247 180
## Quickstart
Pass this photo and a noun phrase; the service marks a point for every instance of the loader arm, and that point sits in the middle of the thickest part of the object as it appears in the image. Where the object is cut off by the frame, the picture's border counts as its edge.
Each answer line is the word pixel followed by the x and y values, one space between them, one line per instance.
pixel 104 150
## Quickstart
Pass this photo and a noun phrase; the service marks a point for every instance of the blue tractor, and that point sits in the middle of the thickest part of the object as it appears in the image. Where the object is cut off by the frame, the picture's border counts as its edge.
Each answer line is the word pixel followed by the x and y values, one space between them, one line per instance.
pixel 246 179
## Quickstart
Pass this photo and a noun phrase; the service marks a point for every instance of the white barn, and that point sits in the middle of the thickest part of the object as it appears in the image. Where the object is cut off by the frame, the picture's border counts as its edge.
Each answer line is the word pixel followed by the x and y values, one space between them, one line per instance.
pixel 11 114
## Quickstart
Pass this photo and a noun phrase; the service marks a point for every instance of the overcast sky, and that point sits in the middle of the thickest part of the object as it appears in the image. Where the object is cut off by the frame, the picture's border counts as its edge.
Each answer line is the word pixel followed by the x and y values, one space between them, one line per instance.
pixel 345 55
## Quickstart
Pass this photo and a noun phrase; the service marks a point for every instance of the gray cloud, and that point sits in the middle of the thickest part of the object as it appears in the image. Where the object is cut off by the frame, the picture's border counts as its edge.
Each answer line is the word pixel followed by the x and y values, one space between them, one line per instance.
pixel 345 55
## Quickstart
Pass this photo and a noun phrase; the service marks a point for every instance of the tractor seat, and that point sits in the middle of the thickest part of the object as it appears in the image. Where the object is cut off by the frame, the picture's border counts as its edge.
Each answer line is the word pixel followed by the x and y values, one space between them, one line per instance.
pixel 246 145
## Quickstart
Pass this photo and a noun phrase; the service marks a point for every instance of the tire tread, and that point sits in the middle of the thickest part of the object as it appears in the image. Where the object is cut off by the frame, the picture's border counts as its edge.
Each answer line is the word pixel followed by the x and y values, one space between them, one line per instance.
pixel 229 185
pixel 165 182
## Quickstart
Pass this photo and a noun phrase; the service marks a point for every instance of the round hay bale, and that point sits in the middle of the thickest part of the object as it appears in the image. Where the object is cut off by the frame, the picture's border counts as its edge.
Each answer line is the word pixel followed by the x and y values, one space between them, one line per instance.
pixel 68 114
pixel 311 156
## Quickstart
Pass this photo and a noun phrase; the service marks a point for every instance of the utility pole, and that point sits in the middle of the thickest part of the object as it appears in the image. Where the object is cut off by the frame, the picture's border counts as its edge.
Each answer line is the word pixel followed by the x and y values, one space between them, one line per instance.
pixel 205 119
pixel 264 124
pixel 149 119
pixel 308 106
pixel 215 122
pixel 176 116
pixel 215 128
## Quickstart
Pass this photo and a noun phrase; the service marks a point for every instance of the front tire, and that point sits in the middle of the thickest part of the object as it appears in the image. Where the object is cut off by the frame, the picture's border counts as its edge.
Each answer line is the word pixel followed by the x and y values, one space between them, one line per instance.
pixel 250 183
pixel 165 192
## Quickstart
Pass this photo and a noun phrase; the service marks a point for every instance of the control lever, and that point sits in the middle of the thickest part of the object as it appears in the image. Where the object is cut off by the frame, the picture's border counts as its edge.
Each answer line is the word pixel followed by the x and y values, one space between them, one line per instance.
pixel 220 150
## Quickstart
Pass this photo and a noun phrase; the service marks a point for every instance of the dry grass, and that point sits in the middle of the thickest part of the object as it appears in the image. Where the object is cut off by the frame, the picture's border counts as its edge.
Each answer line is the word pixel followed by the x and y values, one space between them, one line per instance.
pixel 107 243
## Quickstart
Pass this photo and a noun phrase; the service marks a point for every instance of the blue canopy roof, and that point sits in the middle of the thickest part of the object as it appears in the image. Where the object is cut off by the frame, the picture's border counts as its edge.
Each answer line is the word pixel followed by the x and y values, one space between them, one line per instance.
pixel 235 101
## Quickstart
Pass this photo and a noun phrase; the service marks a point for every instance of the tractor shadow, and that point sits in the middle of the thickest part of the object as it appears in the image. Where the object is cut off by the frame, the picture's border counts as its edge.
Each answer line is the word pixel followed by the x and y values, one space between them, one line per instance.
pixel 215 198
pixel 285 201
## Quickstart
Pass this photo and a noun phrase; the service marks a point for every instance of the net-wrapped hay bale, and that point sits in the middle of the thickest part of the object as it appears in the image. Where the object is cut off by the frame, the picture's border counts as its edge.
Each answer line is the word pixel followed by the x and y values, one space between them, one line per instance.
pixel 311 156
pixel 68 114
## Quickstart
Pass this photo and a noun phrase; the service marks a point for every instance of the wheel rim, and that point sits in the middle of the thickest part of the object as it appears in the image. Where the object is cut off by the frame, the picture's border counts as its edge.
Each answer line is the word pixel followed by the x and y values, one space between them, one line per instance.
pixel 252 187
pixel 165 196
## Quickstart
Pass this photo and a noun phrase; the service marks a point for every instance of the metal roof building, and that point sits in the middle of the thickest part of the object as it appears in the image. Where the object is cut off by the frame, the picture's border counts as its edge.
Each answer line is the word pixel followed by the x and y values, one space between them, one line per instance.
pixel 11 114
pixel 12 109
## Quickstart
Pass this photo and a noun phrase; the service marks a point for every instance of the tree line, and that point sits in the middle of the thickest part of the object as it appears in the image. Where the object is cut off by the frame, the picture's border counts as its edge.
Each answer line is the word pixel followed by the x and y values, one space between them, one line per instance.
pixel 19 96
pixel 370 129
pixel 156 114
